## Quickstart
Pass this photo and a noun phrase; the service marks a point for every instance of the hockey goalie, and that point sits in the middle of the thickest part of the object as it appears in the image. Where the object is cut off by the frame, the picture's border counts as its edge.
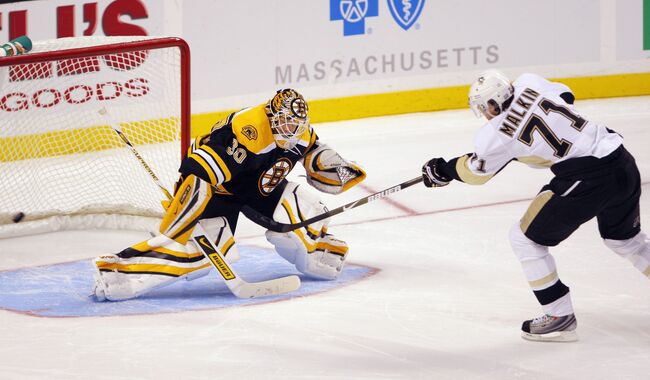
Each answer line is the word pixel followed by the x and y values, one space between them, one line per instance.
pixel 244 160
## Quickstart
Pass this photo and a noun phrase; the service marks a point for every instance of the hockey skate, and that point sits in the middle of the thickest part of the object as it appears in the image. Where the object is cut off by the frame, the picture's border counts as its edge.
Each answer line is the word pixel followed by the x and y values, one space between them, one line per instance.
pixel 550 329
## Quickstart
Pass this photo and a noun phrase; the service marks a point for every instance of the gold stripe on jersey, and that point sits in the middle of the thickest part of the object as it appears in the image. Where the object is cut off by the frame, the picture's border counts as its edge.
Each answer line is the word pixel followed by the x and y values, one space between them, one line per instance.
pixel 206 167
pixel 148 268
pixel 212 163
pixel 467 175
pixel 647 271
pixel 535 207
pixel 544 282
pixel 535 161
pixel 220 162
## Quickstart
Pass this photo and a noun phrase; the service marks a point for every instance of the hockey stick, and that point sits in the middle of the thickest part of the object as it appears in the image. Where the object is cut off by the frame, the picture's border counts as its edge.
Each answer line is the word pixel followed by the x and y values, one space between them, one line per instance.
pixel 237 286
pixel 116 128
pixel 235 283
pixel 273 225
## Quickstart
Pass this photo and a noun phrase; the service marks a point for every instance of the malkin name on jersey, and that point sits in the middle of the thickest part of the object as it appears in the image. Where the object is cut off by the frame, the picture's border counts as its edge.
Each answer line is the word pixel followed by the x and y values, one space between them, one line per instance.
pixel 517 111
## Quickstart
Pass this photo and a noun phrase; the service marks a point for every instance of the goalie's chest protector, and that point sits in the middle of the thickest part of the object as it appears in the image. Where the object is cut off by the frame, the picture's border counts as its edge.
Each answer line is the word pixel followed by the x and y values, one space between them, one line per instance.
pixel 248 149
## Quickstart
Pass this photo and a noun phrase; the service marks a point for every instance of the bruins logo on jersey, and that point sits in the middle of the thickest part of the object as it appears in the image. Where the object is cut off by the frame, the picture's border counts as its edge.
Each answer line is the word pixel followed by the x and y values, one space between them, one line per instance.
pixel 250 132
pixel 272 177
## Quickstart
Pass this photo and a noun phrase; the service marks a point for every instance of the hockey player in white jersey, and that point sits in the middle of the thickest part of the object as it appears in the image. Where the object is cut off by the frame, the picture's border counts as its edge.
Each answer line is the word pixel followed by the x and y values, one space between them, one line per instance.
pixel 533 121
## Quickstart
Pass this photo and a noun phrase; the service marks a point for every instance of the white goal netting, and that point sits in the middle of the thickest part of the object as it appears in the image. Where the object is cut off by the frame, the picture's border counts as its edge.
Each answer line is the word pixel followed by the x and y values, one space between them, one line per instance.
pixel 62 165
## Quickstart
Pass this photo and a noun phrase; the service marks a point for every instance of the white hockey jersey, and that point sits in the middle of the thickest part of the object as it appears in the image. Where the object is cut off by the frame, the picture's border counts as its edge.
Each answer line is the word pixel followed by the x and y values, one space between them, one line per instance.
pixel 538 129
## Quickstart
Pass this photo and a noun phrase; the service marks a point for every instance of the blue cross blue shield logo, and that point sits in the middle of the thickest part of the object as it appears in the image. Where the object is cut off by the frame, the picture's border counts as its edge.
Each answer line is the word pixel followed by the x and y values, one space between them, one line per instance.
pixel 353 13
pixel 405 12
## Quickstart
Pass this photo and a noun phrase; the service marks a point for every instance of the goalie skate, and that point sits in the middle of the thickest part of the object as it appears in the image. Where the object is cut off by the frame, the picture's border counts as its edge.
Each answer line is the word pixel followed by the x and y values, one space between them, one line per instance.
pixel 550 329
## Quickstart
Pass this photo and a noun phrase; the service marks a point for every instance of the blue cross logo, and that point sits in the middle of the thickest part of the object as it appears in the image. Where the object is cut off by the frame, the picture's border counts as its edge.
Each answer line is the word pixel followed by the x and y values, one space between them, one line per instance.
pixel 353 13
pixel 405 13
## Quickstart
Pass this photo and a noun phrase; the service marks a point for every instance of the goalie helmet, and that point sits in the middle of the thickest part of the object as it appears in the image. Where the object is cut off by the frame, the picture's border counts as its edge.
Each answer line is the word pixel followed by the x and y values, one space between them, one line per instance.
pixel 491 88
pixel 288 115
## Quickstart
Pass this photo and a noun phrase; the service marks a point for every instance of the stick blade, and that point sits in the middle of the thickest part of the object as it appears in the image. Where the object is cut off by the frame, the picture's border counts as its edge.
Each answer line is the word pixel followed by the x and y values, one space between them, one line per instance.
pixel 267 288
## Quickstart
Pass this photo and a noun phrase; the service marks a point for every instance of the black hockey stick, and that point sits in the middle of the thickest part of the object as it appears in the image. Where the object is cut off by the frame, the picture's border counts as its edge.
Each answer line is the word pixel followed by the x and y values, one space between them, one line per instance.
pixel 273 225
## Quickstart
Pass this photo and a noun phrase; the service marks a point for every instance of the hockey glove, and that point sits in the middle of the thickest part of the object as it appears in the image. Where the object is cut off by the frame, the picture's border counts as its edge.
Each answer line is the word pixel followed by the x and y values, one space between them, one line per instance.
pixel 432 173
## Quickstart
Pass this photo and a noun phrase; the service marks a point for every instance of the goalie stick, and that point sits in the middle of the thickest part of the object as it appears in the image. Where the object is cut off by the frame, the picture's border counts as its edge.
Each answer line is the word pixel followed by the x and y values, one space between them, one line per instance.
pixel 276 226
pixel 238 287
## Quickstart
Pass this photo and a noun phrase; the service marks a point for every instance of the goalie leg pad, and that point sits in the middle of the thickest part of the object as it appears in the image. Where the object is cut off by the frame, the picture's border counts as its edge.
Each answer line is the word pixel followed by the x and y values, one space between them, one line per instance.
pixel 155 263
pixel 158 262
pixel 321 263
pixel 311 249
pixel 220 233
pixel 190 200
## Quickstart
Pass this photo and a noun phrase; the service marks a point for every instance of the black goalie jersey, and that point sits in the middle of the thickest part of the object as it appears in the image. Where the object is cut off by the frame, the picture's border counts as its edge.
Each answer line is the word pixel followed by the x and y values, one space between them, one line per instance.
pixel 241 159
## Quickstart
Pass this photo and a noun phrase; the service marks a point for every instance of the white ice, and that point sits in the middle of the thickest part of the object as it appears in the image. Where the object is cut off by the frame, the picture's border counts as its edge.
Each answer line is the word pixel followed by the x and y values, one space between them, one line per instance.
pixel 447 304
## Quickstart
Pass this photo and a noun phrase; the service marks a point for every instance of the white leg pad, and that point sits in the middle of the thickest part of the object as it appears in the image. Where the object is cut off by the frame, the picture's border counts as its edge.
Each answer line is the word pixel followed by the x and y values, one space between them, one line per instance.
pixel 155 263
pixel 118 286
pixel 536 261
pixel 311 250
pixel 320 263
pixel 219 232
pixel 636 250
pixel 540 269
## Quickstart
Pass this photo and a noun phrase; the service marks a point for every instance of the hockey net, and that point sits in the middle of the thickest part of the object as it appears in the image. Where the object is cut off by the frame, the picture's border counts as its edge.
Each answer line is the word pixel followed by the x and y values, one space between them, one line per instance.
pixel 62 166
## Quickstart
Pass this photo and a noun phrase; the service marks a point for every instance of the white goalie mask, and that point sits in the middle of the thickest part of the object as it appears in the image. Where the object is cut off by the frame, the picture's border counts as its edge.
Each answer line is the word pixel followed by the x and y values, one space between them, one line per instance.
pixel 491 87
pixel 288 115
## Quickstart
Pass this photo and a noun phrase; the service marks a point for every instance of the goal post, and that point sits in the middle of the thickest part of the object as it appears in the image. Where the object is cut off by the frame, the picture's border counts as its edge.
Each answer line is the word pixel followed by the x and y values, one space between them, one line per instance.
pixel 62 165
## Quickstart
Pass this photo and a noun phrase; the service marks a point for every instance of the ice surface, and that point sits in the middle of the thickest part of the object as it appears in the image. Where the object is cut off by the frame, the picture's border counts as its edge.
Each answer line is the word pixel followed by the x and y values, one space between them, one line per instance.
pixel 447 304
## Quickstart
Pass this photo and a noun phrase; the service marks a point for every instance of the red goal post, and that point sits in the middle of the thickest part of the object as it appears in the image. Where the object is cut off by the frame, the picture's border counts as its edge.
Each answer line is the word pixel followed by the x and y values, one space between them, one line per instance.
pixel 61 164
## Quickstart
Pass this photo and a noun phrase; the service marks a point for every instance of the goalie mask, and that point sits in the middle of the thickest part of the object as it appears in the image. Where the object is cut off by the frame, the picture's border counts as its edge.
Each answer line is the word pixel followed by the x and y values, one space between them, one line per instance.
pixel 492 88
pixel 288 116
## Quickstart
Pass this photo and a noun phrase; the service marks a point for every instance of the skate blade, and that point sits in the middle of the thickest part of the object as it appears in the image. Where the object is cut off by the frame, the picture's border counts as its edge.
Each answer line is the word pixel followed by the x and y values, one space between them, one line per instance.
pixel 557 336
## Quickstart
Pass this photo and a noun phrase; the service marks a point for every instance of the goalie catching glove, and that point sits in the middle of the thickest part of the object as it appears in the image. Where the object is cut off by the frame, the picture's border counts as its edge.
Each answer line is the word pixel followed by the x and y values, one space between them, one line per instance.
pixel 330 173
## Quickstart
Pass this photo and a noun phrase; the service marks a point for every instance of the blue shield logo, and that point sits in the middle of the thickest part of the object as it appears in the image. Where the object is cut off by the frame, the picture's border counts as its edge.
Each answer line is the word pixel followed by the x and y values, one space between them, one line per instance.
pixel 353 13
pixel 405 12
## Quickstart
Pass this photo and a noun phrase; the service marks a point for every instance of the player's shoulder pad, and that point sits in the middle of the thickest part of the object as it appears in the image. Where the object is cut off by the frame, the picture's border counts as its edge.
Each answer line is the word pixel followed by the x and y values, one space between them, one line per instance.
pixel 527 79
pixel 252 129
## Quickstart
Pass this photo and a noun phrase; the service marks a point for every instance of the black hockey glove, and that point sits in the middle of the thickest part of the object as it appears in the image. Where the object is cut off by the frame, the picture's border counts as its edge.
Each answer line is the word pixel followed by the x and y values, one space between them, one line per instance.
pixel 432 173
